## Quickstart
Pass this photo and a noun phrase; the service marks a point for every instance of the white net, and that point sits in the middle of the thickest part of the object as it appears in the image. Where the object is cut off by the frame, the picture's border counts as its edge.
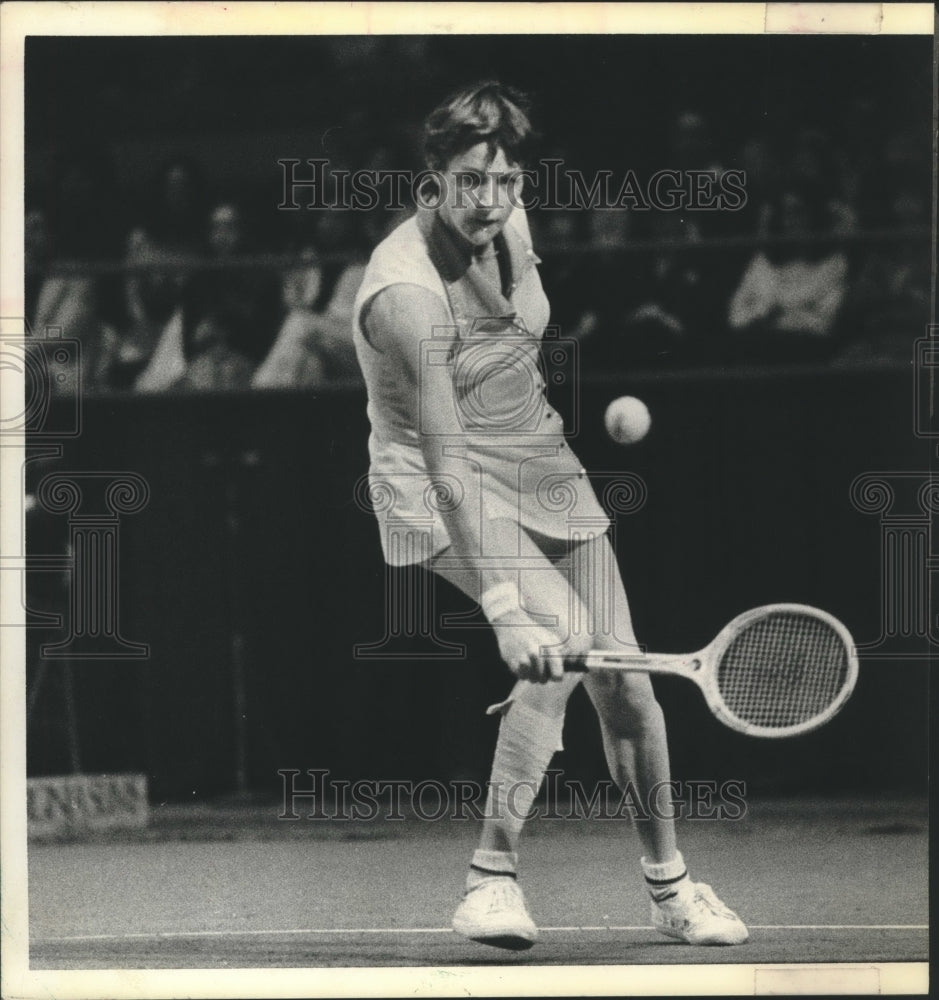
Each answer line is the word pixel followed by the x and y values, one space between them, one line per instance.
pixel 783 670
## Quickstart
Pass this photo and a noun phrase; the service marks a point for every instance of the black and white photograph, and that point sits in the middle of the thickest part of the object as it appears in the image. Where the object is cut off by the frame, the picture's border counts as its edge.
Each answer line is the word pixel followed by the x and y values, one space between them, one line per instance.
pixel 468 498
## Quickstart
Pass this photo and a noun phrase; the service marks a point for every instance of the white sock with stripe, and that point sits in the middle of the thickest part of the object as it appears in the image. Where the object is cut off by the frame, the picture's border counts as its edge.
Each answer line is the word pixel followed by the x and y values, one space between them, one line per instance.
pixel 491 864
pixel 663 879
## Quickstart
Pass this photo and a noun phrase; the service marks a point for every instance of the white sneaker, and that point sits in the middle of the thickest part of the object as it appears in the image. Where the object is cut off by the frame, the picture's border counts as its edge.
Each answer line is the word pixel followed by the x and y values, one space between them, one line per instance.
pixel 697 916
pixel 494 912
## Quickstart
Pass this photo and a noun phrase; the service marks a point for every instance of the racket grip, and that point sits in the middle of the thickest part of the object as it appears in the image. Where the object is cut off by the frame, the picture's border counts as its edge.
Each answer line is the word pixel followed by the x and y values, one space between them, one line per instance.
pixel 576 664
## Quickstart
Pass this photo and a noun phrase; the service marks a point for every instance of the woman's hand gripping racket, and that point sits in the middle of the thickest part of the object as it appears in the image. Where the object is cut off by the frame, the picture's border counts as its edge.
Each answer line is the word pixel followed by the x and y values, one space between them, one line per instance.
pixel 774 671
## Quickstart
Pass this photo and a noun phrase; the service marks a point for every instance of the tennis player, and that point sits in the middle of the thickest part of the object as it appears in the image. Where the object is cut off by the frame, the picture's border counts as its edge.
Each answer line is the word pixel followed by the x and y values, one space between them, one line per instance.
pixel 447 327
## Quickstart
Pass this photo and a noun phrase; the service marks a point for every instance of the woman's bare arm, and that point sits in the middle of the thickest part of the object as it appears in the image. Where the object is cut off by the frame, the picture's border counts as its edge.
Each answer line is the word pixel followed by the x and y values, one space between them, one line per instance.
pixel 401 321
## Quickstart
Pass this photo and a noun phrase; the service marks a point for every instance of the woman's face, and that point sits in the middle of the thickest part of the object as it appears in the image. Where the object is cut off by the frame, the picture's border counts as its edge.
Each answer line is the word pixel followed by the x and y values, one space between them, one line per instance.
pixel 179 189
pixel 480 193
pixel 794 217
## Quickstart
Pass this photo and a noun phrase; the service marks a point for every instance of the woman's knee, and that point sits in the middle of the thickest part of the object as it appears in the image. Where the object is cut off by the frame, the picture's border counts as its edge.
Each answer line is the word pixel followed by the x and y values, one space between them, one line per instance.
pixel 550 698
pixel 626 703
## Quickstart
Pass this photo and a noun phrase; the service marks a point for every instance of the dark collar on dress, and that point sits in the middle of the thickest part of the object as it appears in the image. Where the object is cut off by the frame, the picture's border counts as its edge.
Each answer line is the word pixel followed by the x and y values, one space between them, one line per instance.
pixel 452 256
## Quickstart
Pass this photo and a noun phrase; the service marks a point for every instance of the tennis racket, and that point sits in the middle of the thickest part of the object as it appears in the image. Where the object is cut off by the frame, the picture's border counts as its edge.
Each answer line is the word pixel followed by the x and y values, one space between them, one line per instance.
pixel 775 671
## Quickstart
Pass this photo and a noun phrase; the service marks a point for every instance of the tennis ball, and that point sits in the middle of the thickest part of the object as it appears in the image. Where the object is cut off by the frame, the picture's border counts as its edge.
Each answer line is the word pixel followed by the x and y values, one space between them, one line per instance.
pixel 627 420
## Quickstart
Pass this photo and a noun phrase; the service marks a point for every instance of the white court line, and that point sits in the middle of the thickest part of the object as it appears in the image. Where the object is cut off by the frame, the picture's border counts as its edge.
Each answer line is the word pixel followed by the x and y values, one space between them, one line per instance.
pixel 294 932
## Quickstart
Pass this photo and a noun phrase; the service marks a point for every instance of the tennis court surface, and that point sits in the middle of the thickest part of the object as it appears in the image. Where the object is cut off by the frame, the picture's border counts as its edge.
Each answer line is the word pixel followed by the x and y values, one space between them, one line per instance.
pixel 234 887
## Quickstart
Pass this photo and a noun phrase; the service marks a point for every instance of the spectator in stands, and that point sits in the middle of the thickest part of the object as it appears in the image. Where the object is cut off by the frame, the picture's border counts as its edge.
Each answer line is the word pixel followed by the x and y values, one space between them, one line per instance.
pixel 673 307
pixel 792 291
pixel 82 226
pixel 36 250
pixel 566 276
pixel 756 157
pixel 314 344
pixel 388 155
pixel 888 305
pixel 609 227
pixel 658 324
pixel 691 143
pixel 172 230
pixel 229 313
pixel 165 363
pixel 817 164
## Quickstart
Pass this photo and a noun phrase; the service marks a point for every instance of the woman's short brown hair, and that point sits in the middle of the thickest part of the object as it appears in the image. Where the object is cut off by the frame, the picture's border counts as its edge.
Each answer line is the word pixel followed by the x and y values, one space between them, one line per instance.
pixel 486 112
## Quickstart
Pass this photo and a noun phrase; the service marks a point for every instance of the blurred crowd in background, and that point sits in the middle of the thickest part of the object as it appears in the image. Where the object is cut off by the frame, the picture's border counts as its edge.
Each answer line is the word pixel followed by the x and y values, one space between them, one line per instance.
pixel 188 281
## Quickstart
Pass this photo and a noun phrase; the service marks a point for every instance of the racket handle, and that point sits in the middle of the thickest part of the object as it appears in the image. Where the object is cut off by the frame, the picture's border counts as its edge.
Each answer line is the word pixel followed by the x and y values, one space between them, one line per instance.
pixel 638 662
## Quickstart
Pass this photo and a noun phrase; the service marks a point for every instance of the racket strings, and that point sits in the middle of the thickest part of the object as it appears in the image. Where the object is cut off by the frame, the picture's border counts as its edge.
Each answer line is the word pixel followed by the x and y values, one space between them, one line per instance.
pixel 783 670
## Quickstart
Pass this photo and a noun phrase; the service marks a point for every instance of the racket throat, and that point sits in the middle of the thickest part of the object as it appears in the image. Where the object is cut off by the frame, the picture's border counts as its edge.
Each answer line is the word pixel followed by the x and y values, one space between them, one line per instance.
pixel 645 663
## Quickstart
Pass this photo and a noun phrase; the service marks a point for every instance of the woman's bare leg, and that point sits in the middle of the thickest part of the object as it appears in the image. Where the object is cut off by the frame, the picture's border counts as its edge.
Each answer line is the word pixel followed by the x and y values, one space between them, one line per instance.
pixel 631 719
pixel 533 714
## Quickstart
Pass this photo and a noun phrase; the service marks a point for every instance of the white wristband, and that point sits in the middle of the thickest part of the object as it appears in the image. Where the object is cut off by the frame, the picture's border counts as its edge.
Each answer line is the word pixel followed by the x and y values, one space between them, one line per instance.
pixel 499 600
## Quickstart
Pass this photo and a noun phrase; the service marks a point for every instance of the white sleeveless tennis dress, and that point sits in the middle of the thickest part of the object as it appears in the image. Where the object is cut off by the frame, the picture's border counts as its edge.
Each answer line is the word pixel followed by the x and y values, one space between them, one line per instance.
pixel 514 448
